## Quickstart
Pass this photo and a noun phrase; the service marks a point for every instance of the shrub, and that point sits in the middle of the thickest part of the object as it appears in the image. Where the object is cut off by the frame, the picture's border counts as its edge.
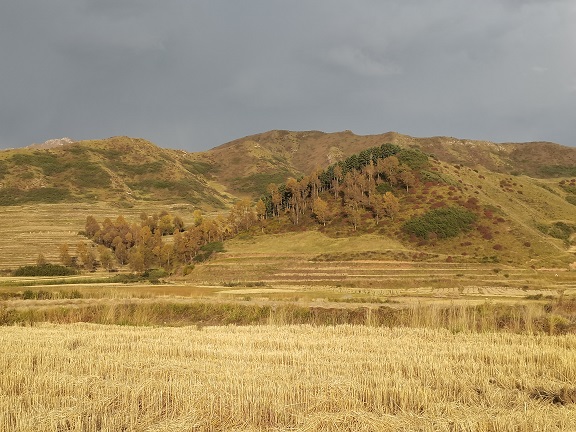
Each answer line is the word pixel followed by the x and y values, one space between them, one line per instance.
pixel 154 275
pixel 207 250
pixel 44 270
pixel 196 167
pixel 434 177
pixel 36 295
pixel 444 222
pixel 415 159
pixel 559 230
pixel 558 170
pixel 384 187
pixel 13 196
pixel 3 169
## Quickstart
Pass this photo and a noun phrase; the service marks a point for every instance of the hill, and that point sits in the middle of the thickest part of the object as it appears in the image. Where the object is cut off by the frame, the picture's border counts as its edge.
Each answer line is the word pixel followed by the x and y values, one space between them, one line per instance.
pixel 247 165
pixel 121 170
pixel 524 211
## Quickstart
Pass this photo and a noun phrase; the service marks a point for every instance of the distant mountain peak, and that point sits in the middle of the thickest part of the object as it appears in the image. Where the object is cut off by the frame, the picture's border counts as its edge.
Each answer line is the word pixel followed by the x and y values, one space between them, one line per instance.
pixel 51 143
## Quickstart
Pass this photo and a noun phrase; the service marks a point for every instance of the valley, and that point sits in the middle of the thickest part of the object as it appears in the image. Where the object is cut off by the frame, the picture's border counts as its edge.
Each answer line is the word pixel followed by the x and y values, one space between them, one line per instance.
pixel 259 286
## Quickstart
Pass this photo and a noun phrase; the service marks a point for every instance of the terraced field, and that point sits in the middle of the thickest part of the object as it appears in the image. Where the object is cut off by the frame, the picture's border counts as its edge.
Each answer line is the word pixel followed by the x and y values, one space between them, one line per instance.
pixel 297 275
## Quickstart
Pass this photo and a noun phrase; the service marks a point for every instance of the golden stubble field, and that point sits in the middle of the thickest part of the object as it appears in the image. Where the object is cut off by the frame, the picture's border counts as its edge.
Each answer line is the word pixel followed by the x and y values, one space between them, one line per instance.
pixel 86 377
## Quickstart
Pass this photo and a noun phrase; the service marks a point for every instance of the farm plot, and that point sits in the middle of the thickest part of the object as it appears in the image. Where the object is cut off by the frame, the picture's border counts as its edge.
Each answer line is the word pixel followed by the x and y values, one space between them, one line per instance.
pixel 380 278
pixel 297 378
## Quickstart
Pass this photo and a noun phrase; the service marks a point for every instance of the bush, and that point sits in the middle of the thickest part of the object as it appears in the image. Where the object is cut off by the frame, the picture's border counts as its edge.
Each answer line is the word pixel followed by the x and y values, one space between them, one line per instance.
pixel 13 196
pixel 49 163
pixel 36 295
pixel 415 159
pixel 198 168
pixel 444 222
pixel 154 275
pixel 384 187
pixel 558 170
pixel 561 230
pixel 434 177
pixel 44 270
pixel 213 247
pixel 3 169
pixel 207 250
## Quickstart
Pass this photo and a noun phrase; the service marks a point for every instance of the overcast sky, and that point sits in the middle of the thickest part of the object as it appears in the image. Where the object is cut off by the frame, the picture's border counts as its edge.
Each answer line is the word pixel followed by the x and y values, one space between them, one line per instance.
pixel 194 74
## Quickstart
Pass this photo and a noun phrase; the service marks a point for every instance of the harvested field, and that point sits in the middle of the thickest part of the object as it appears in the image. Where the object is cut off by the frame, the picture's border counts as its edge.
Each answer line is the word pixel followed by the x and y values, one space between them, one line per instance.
pixel 298 378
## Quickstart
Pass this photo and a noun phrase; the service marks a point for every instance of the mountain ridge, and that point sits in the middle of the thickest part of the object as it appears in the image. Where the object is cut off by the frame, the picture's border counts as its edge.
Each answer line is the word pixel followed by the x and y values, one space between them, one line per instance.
pixel 298 153
pixel 134 168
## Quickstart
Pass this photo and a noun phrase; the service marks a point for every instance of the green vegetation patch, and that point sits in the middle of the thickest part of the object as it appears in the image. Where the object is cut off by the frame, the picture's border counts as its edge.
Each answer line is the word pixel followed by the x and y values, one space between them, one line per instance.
pixel 88 174
pixel 188 189
pixel 49 163
pixel 3 169
pixel 444 222
pixel 558 170
pixel 415 159
pixel 435 177
pixel 199 168
pixel 208 249
pixel 80 171
pixel 154 184
pixel 257 183
pixel 13 196
pixel 569 187
pixel 571 199
pixel 109 153
pixel 560 230
pixel 139 169
pixel 44 270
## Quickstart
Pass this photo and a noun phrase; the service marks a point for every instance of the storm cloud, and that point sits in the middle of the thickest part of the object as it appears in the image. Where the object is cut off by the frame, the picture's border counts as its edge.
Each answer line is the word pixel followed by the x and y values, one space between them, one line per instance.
pixel 195 74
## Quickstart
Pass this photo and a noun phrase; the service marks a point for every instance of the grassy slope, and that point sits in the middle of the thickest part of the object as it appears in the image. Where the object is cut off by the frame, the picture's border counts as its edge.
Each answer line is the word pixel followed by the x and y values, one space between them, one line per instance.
pixel 294 153
pixel 523 204
pixel 118 169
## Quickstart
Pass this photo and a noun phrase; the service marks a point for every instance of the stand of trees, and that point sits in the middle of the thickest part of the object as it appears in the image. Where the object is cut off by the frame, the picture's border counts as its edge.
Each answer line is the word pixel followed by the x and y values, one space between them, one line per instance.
pixel 158 241
pixel 364 182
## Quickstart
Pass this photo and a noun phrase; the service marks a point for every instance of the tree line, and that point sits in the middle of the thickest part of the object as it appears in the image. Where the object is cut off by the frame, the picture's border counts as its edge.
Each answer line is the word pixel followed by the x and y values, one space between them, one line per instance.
pixel 157 241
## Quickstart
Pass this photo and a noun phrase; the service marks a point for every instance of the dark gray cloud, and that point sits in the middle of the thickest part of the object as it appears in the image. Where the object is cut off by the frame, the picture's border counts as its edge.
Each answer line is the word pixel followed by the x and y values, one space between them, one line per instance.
pixel 195 74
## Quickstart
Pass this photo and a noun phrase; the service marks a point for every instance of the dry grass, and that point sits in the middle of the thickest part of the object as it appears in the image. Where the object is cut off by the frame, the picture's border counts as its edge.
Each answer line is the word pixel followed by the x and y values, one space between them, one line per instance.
pixel 310 243
pixel 300 378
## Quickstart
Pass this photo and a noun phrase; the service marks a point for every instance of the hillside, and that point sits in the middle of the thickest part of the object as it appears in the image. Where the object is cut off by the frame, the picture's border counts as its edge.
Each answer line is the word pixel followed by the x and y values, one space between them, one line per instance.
pixel 514 219
pixel 525 213
pixel 127 169
pixel 121 170
pixel 248 164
